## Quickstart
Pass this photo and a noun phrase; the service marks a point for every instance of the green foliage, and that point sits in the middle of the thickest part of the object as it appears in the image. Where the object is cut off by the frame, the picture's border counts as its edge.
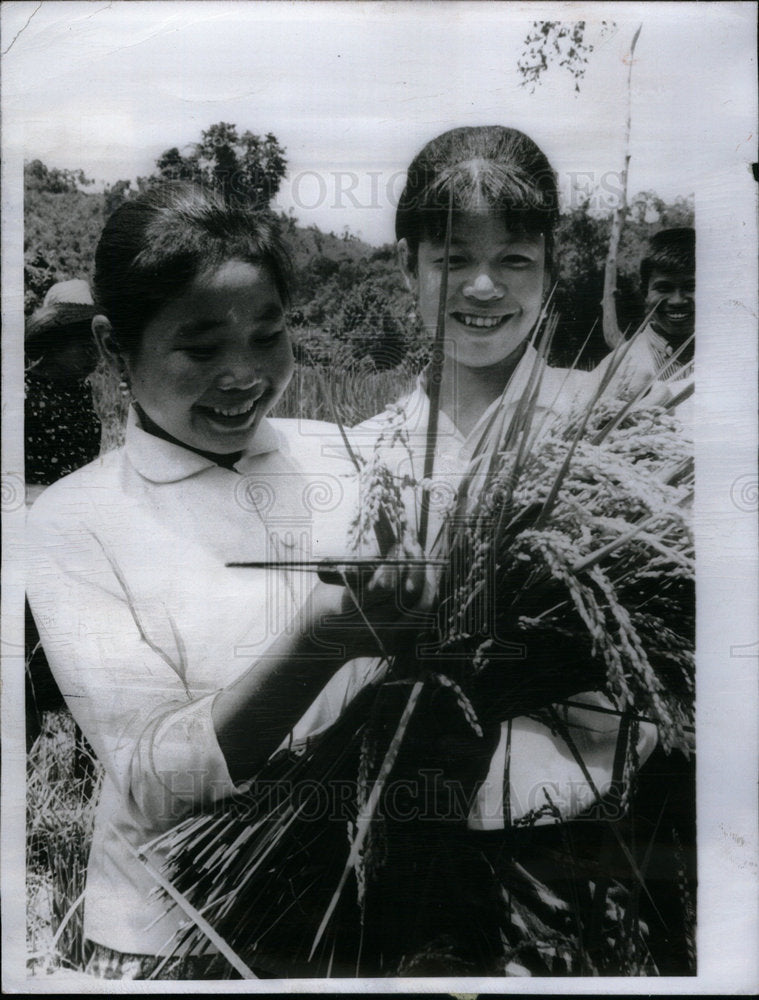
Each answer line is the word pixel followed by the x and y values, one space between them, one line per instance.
pixel 563 42
pixel 240 165
pixel 62 224
pixel 350 302
pixel 37 177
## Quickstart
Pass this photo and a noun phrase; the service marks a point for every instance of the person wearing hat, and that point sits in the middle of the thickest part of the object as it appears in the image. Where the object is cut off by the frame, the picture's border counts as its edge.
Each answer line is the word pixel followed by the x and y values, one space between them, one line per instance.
pixel 62 430
pixel 62 433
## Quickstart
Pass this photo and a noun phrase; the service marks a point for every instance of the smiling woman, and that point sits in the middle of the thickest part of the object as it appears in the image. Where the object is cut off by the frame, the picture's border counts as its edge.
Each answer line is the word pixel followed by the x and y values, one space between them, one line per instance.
pixel 184 672
pixel 212 362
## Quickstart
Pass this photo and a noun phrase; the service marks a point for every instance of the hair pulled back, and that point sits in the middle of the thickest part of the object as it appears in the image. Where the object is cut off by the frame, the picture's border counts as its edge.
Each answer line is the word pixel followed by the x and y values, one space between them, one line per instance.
pixel 153 247
pixel 480 166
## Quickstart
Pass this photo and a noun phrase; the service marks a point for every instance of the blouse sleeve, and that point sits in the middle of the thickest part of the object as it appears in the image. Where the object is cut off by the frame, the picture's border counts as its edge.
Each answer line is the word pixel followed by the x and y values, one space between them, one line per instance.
pixel 154 736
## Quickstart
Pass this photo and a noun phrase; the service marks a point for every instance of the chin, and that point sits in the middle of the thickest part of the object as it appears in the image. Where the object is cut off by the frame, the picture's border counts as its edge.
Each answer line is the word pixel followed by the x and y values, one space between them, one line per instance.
pixel 489 358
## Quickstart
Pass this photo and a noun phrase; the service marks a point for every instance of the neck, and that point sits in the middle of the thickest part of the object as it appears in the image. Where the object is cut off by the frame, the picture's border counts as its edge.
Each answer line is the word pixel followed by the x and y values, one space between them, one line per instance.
pixel 687 354
pixel 227 461
pixel 465 393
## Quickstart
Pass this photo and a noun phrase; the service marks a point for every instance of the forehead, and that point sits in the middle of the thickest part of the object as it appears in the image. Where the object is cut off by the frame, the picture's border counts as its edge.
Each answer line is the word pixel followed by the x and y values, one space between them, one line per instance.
pixel 671 277
pixel 232 276
pixel 235 292
pixel 230 286
pixel 488 226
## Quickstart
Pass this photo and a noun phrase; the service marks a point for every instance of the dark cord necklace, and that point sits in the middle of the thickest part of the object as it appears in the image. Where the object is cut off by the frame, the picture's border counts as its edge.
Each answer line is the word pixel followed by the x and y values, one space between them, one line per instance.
pixel 226 461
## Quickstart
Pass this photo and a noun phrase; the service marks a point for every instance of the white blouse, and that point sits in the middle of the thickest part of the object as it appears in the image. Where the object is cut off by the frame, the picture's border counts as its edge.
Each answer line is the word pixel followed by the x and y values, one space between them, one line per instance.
pixel 142 624
pixel 530 763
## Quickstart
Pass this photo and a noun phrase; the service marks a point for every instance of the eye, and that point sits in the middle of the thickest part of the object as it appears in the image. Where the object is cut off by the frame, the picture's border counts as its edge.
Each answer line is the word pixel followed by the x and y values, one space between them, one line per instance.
pixel 517 261
pixel 200 352
pixel 268 339
pixel 454 260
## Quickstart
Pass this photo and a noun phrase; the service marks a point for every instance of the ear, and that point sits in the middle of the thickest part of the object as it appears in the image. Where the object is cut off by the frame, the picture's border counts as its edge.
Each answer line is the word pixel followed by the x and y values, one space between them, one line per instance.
pixel 405 262
pixel 108 346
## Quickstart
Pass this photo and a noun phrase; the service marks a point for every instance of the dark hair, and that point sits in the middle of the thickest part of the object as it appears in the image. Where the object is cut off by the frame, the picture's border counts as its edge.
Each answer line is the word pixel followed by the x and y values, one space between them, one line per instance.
pixel 153 247
pixel 669 250
pixel 499 166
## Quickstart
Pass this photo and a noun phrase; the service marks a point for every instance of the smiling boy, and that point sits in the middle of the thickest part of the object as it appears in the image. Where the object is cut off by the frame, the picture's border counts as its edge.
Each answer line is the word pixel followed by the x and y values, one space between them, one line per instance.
pixel 663 352
pixel 668 282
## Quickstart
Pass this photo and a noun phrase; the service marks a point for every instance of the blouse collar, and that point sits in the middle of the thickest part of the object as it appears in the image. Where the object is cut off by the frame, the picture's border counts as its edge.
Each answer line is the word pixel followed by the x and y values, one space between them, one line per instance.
pixel 160 461
pixel 417 404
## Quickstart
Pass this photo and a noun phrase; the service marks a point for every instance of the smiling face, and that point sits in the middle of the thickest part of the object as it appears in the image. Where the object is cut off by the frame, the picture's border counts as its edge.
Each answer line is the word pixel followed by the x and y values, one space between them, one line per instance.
pixel 214 360
pixel 495 288
pixel 673 295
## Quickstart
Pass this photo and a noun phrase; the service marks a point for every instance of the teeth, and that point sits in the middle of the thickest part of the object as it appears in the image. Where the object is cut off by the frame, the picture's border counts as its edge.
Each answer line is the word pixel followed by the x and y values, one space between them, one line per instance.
pixel 487 322
pixel 234 411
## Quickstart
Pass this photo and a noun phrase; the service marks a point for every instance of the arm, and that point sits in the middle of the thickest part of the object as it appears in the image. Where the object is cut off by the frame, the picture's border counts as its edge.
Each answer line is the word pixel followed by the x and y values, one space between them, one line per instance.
pixel 123 682
pixel 123 678
pixel 253 714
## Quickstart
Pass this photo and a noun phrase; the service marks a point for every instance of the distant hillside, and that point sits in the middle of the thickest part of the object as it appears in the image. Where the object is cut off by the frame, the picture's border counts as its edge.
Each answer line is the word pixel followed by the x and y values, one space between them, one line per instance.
pixel 349 299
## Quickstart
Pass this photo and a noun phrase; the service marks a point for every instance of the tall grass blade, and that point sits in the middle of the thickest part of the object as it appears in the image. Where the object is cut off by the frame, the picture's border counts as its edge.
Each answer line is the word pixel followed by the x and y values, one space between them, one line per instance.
pixel 366 815
pixel 435 379
pixel 188 909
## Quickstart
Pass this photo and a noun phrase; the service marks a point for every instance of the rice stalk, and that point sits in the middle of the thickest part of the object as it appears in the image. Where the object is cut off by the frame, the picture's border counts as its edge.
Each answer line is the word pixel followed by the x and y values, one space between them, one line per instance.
pixel 571 540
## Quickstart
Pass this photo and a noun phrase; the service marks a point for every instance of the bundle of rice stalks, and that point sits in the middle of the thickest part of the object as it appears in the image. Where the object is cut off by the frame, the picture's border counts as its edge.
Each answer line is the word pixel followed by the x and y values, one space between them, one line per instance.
pixel 566 540
pixel 587 563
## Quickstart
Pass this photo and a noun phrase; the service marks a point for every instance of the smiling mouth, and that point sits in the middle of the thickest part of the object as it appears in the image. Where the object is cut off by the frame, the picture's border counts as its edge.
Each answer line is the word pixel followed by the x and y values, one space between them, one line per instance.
pixel 232 416
pixel 481 322
pixel 678 317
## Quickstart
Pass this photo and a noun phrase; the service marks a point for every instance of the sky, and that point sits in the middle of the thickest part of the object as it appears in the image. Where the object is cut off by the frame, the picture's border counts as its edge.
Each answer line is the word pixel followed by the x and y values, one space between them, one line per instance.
pixel 353 90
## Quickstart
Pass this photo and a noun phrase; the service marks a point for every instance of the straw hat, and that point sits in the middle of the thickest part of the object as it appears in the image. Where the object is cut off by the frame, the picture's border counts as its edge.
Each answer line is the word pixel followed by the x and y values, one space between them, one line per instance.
pixel 66 312
pixel 76 291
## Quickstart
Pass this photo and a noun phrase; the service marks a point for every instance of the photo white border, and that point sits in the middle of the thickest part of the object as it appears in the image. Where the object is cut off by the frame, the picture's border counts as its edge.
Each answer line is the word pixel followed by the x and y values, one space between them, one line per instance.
pixel 726 538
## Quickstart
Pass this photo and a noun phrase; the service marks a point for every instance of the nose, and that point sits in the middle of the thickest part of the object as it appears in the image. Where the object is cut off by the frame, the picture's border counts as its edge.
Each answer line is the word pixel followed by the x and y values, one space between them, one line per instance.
pixel 677 296
pixel 239 372
pixel 483 288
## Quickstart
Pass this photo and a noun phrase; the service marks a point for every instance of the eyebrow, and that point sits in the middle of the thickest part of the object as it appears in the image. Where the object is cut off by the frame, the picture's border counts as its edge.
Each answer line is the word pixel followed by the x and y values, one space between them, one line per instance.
pixel 198 327
pixel 518 240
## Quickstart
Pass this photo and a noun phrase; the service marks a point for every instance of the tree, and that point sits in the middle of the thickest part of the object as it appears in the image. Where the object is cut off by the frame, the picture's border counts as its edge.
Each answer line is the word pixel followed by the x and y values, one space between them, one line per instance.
pixel 62 224
pixel 241 166
pixel 612 333
pixel 556 40
pixel 38 177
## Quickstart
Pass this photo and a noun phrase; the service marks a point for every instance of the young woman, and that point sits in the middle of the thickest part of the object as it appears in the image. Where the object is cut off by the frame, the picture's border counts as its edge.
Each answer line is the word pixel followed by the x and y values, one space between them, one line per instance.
pixel 185 673
pixel 504 200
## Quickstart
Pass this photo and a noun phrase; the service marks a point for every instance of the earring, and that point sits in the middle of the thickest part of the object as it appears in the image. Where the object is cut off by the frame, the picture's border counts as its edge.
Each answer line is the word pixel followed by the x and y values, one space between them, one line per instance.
pixel 124 387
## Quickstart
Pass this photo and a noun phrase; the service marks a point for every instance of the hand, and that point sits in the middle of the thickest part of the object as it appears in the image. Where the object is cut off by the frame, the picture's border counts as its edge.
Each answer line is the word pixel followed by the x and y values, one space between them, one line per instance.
pixel 376 609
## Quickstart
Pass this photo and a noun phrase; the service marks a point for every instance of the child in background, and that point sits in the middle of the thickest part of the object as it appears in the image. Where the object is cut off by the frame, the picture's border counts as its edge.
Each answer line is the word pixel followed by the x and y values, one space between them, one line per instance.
pixel 61 433
pixel 668 282
pixel 668 286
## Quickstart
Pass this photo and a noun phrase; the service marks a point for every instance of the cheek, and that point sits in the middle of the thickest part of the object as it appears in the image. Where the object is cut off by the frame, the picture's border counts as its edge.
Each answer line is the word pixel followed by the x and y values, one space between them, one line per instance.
pixel 530 290
pixel 428 297
pixel 282 365
pixel 163 378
